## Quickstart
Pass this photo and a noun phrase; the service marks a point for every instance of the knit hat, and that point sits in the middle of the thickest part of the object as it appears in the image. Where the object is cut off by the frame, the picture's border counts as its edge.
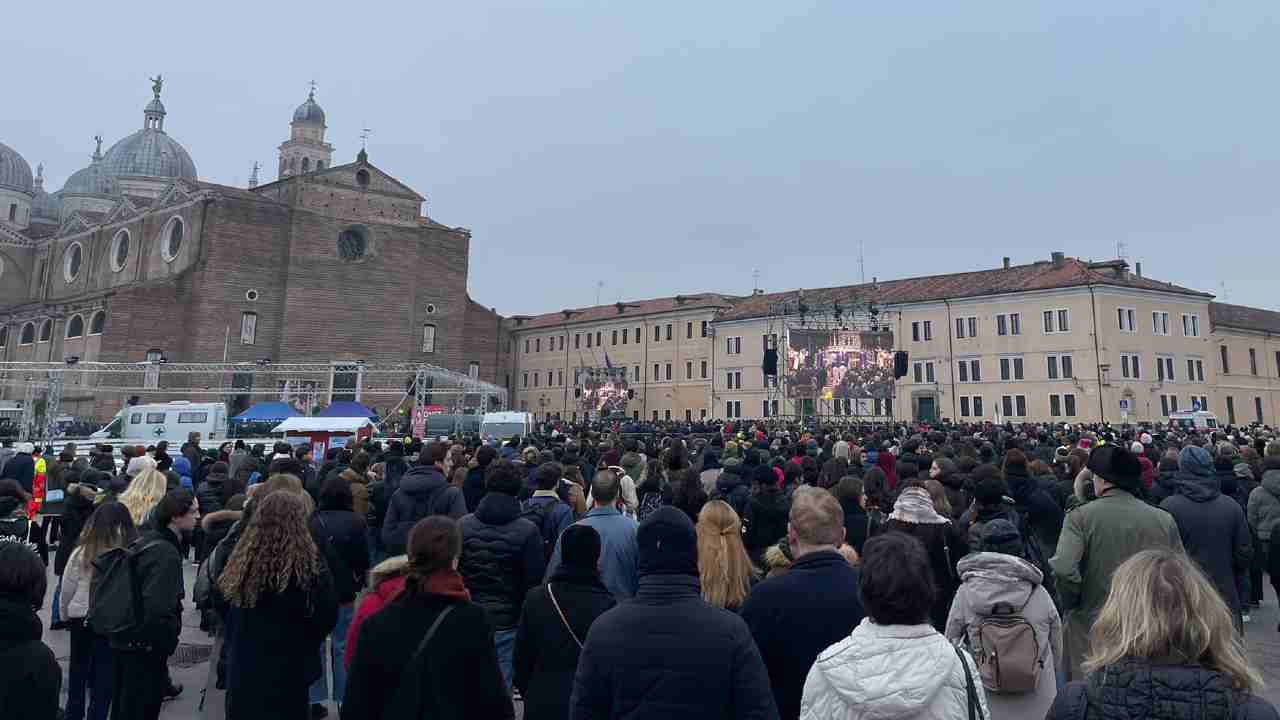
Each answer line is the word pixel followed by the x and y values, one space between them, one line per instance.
pixel 668 543
pixel 1001 536
pixel 1116 465
pixel 990 490
pixel 580 547
pixel 1196 461
pixel 138 464
pixel 763 474
pixel 612 457
pixel 1243 470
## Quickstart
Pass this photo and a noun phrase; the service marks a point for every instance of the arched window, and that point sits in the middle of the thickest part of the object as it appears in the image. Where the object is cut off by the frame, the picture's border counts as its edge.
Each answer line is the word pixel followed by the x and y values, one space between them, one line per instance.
pixel 319 164
pixel 428 338
pixel 306 164
pixel 28 335
pixel 99 320
pixel 75 327
pixel 46 330
pixel 362 178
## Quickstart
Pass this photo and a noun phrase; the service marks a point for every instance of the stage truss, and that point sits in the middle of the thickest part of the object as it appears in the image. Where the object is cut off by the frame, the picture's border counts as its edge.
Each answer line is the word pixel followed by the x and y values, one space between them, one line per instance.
pixel 823 310
pixel 298 383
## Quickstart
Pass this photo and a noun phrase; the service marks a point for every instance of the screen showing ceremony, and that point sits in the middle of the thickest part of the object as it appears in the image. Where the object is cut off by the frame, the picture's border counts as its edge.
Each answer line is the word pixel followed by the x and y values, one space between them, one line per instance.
pixel 602 391
pixel 830 364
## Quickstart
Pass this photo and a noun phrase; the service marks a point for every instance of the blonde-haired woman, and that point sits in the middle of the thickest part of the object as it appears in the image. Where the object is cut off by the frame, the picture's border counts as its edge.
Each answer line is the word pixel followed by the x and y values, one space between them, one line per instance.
pixel 1164 639
pixel 143 494
pixel 724 568
pixel 282 605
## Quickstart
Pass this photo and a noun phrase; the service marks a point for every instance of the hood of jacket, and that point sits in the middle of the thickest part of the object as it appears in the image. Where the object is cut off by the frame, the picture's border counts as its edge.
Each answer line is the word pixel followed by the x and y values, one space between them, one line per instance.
pixel 889 671
pixel 19 624
pixel 731 478
pixel 998 578
pixel 1225 471
pixel 1271 475
pixel 392 567
pixel 1199 488
pixel 221 517
pixel 497 508
pixel 182 466
pixel 422 480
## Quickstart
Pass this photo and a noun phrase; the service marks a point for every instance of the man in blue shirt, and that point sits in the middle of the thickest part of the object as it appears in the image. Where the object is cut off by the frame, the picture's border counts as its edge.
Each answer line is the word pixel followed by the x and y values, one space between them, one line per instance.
pixel 618 549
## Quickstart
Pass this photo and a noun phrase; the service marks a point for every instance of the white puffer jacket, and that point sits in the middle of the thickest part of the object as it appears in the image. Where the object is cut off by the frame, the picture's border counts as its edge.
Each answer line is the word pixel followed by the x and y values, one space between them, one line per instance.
pixel 74 601
pixel 890 671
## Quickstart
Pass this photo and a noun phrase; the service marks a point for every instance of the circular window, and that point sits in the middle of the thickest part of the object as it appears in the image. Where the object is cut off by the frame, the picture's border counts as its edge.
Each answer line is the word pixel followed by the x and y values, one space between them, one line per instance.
pixel 251 295
pixel 431 309
pixel 120 250
pixel 71 262
pixel 171 241
pixel 352 243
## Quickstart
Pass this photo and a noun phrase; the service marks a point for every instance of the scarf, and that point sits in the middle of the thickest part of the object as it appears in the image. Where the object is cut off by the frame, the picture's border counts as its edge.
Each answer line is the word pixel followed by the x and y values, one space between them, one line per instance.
pixel 447 583
pixel 915 506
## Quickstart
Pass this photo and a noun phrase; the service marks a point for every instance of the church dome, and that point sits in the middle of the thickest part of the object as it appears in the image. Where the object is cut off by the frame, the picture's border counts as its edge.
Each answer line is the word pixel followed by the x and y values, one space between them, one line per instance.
pixel 92 180
pixel 309 112
pixel 149 152
pixel 15 173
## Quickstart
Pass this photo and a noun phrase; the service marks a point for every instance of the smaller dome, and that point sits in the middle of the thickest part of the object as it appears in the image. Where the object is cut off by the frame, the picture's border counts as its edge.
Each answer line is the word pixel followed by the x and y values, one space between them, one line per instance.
pixel 15 173
pixel 154 107
pixel 92 180
pixel 309 112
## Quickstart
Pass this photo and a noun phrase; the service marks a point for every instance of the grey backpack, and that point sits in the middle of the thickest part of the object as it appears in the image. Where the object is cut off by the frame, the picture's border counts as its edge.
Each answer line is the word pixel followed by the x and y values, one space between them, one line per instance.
pixel 1007 650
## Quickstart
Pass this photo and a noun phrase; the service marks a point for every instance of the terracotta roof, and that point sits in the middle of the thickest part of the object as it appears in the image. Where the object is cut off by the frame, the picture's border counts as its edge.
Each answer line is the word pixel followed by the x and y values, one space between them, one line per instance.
pixel 1043 275
pixel 1244 318
pixel 235 192
pixel 629 310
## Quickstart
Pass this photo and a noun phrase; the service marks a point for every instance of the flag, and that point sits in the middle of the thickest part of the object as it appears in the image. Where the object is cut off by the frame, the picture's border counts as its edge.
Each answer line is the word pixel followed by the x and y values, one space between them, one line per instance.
pixel 607 364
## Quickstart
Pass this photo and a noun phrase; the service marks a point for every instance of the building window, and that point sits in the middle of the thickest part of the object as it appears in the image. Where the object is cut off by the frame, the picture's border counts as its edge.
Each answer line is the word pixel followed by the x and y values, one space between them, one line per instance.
pixel 1278 361
pixel 73 258
pixel 657 333
pixel 1011 368
pixel 353 243
pixel 428 338
pixel 668 371
pixel 688 370
pixel 733 346
pixel 977 406
pixel 598 343
pixel 1231 410
pixel 97 322
pixel 4 336
pixel 171 239
pixel 964 407
pixel 28 334
pixel 706 330
pixel 656 374
pixel 13 212
pixel 770 341
pixel 577 341
pixel 626 333
pixel 668 331
pixel 473 370
pixel 728 381
pixel 688 334
pixel 589 339
pixel 525 380
pixel 1164 368
pixel 1200 403
pixel 1014 405
pixel 75 327
pixel 526 346
pixel 1253 361
pixel 550 377
pixel 915 331
pixel 1226 363
pixel 928 371
pixel 1010 324
pixel 46 331
pixel 1128 319
pixel 615 337
pixel 561 340
pixel 1057 321
pixel 636 377
pixel 1060 366
pixel 970 371
pixel 1190 325
pixel 1055 406
pixel 1160 323
pixel 928 330
pixel 704 370
pixel 966 327
pixel 1257 408
pixel 1195 370
pixel 537 345
pixel 917 372
pixel 1131 366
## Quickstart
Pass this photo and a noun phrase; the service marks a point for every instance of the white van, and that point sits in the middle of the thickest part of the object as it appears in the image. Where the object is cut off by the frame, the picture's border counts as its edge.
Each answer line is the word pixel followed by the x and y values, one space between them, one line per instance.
pixel 170 421
pixel 1194 420
pixel 505 425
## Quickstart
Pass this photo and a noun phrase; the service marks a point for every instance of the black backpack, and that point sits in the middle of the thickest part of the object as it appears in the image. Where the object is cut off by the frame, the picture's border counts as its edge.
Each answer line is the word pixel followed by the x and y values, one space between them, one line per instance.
pixel 115 594
pixel 538 513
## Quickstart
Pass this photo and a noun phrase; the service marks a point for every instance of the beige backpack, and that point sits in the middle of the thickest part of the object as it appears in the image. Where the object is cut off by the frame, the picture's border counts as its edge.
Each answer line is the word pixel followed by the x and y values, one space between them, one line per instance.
pixel 1007 650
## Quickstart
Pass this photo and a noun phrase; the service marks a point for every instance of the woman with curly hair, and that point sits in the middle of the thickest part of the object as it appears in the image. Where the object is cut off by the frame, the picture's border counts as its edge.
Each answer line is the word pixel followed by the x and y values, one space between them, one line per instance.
pixel 143 494
pixel 724 567
pixel 281 606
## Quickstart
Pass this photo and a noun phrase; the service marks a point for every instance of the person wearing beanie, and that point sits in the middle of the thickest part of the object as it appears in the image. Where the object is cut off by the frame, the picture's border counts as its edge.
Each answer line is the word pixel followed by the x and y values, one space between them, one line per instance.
pixel 1212 526
pixel 554 624
pixel 21 468
pixel 1166 482
pixel 667 653
pixel 1100 535
pixel 999 575
pixel 502 557
pixel 991 502
pixel 766 517
pixel 734 484
pixel 139 463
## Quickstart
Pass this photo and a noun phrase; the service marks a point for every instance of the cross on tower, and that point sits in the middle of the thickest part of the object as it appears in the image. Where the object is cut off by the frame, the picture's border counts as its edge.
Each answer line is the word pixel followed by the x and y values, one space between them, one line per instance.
pixel 312 94
pixel 364 138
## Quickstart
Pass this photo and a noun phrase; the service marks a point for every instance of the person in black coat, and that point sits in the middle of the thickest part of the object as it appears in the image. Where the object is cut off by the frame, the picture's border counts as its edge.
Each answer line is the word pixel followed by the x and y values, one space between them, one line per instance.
pixel 141 662
pixel 802 612
pixel 733 486
pixel 423 491
pixel 30 679
pixel 281 605
pixel 666 652
pixel 21 468
pixel 346 552
pixel 473 484
pixel 412 660
pixel 547 643
pixel 502 556
pixel 766 517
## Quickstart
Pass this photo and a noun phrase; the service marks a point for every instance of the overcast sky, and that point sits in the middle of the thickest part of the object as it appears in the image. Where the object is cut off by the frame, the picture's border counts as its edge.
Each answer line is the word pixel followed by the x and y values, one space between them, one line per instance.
pixel 668 147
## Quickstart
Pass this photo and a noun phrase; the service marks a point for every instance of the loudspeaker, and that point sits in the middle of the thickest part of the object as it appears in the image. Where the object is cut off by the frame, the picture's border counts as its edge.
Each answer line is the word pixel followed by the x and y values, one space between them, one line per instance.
pixel 900 364
pixel 770 364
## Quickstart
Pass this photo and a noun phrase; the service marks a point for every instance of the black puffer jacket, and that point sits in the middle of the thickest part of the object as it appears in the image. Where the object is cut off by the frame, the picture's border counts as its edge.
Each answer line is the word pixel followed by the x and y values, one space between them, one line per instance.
pixel 348 550
pixel 501 557
pixel 1036 503
pixel 210 493
pixel 953 485
pixel 1165 486
pixel 546 655
pixel 30 679
pixel 733 488
pixel 423 491
pixel 765 521
pixel 1133 689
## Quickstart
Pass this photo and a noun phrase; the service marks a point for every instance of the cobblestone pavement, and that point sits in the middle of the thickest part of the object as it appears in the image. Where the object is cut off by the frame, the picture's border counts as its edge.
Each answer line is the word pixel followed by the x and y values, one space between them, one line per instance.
pixel 1261 635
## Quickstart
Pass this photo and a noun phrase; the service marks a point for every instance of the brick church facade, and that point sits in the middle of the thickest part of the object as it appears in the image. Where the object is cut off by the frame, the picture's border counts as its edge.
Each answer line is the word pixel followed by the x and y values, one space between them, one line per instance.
pixel 137 259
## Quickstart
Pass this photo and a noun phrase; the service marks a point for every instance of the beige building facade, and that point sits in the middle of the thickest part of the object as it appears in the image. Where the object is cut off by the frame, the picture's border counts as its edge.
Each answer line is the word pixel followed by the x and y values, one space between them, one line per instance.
pixel 1057 340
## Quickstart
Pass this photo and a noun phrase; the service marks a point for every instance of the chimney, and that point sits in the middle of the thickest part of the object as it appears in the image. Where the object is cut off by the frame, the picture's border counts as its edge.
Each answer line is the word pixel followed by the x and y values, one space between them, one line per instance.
pixel 1059 258
pixel 1006 262
pixel 1137 267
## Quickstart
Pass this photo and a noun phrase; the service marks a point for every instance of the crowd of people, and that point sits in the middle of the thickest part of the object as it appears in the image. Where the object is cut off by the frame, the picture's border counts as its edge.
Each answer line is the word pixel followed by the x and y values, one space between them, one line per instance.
pixel 744 570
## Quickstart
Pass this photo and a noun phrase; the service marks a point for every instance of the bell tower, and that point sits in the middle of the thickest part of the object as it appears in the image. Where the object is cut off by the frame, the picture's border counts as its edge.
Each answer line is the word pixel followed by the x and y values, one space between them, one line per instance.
pixel 305 150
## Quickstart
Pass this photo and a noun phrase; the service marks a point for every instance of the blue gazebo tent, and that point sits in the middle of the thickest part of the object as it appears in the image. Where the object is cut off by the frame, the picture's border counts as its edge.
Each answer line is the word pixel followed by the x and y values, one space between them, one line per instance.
pixel 346 409
pixel 267 412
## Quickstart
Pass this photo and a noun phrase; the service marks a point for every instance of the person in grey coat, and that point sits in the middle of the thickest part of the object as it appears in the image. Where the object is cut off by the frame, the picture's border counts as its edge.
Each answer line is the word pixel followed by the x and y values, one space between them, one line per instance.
pixel 1213 527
